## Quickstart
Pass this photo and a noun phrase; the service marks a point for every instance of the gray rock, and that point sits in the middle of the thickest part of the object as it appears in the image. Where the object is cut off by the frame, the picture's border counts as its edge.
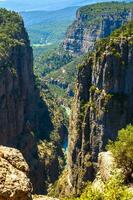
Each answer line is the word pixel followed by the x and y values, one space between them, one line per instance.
pixel 103 105
pixel 85 31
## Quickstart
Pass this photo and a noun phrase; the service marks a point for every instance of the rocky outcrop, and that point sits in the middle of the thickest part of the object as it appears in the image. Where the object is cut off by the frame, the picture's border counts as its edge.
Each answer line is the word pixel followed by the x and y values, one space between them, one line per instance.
pixel 103 103
pixel 94 22
pixel 14 183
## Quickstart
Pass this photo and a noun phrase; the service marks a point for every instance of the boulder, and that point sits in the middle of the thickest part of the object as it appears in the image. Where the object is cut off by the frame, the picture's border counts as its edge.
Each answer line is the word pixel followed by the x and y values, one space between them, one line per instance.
pixel 14 183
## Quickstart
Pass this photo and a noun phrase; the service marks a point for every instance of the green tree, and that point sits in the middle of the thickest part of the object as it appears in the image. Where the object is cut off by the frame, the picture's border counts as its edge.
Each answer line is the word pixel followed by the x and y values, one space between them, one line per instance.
pixel 122 150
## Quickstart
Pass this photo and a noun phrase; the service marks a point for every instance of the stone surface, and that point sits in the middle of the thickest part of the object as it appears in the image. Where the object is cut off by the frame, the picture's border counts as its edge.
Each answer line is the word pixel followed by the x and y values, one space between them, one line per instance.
pixel 14 183
pixel 103 105
pixel 86 30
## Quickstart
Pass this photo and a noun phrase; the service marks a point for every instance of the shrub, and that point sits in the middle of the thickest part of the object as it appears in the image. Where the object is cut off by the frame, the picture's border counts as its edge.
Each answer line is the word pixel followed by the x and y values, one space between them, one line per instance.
pixel 91 194
pixel 122 150
pixel 115 189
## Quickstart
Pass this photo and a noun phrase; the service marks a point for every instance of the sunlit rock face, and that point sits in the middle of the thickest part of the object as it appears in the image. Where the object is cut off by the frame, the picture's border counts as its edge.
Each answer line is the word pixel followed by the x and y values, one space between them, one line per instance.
pixel 14 181
pixel 103 103
pixel 94 22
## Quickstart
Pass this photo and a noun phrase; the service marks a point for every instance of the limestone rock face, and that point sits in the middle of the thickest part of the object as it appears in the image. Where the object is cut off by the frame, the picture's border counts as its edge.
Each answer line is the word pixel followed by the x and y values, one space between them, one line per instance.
pixel 88 28
pixel 14 183
pixel 103 104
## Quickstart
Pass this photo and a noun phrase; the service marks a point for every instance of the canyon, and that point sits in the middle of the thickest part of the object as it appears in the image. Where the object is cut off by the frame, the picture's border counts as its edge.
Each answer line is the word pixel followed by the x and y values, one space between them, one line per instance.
pixel 40 153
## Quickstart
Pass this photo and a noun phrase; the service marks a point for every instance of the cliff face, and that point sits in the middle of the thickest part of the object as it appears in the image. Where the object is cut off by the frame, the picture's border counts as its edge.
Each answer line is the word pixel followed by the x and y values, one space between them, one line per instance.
pixel 16 88
pixel 19 98
pixel 24 117
pixel 95 22
pixel 103 103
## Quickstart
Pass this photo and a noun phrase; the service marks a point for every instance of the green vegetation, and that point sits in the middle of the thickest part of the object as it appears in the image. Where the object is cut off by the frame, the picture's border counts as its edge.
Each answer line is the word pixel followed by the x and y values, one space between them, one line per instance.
pixel 115 188
pixel 42 49
pixel 47 29
pixel 58 64
pixel 125 32
pixel 10 25
pixel 48 26
pixel 50 61
pixel 58 115
pixel 122 150
pixel 94 13
pixel 67 73
pixel 45 33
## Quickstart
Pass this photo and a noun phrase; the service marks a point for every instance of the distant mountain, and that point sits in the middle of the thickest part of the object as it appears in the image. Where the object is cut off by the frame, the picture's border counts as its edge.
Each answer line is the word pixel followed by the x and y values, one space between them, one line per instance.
pixel 20 5
pixel 48 27
pixel 36 17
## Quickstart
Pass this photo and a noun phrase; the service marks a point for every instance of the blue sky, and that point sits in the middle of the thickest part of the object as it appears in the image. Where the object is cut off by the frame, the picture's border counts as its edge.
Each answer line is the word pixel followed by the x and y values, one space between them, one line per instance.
pixel 35 4
pixel 20 5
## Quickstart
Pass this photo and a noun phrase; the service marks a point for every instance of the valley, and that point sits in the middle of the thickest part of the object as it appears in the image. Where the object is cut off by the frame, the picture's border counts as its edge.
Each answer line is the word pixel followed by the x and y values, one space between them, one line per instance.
pixel 66 103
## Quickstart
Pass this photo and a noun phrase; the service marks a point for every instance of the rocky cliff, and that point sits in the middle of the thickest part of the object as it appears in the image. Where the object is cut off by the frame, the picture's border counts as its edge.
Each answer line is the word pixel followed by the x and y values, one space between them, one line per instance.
pixel 103 103
pixel 24 116
pixel 94 22
pixel 19 97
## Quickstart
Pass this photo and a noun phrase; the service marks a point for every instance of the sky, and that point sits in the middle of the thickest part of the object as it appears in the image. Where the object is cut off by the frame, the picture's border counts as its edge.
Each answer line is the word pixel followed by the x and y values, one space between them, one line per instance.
pixel 25 5
pixel 35 4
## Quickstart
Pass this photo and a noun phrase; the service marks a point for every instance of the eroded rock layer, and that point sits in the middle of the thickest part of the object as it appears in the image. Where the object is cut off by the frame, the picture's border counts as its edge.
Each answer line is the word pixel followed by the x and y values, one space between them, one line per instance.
pixel 94 22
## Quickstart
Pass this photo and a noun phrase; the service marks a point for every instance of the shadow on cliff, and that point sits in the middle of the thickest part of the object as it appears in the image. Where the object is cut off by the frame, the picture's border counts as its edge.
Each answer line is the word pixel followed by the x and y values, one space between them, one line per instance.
pixel 37 127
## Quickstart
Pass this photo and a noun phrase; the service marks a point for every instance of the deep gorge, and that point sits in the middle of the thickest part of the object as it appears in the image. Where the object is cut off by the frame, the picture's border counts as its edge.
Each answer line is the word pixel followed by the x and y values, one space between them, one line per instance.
pixel 61 149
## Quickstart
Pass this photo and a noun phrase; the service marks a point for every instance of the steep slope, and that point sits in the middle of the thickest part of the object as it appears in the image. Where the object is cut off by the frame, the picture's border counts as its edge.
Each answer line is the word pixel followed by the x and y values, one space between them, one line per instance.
pixel 94 22
pixel 24 116
pixel 103 103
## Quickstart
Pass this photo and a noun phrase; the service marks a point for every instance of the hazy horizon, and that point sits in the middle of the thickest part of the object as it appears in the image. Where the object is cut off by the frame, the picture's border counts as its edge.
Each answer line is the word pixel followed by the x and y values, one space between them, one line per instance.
pixel 48 5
